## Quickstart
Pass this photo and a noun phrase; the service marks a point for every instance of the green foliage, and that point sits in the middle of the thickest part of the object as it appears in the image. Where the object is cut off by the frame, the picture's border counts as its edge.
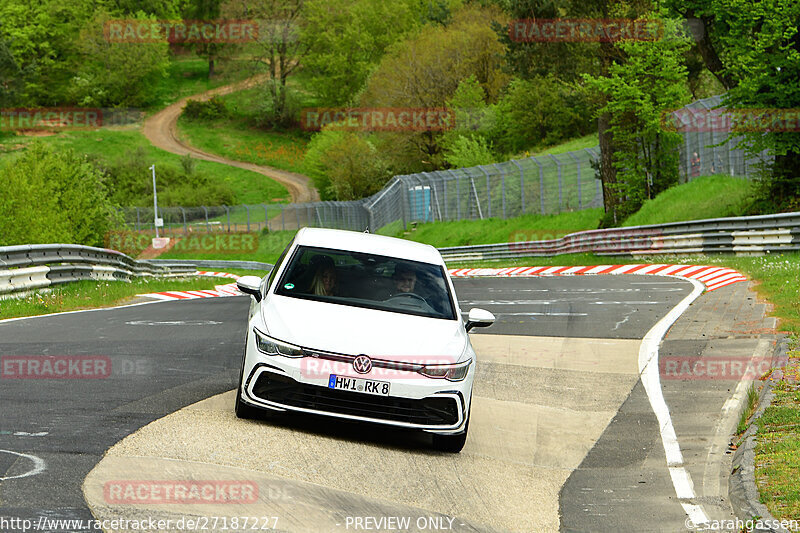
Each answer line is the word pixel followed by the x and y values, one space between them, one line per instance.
pixel 113 73
pixel 53 196
pixel 129 182
pixel 313 165
pixel 213 108
pixel 540 112
pixel 347 39
pixel 425 71
pixel 762 41
pixel 345 165
pixel 468 152
pixel 650 80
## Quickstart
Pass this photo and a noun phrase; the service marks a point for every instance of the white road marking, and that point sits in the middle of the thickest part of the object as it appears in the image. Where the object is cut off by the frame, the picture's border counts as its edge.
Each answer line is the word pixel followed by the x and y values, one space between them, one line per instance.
pixel 648 367
pixel 37 468
pixel 172 323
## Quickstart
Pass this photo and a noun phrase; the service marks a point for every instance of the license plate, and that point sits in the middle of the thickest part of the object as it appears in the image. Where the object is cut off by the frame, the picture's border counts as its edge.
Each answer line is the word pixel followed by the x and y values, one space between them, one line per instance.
pixel 368 386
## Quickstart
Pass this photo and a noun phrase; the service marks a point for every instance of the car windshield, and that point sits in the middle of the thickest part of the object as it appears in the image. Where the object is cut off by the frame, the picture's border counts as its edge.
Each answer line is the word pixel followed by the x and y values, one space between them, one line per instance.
pixel 367 280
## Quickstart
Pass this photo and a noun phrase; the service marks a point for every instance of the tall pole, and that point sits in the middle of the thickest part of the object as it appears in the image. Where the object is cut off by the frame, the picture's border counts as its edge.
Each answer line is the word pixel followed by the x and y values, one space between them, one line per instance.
pixel 155 200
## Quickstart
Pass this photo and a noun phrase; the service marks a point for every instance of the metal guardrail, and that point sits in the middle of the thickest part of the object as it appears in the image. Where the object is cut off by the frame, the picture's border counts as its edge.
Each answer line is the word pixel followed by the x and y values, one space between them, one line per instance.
pixel 28 267
pixel 212 263
pixel 754 235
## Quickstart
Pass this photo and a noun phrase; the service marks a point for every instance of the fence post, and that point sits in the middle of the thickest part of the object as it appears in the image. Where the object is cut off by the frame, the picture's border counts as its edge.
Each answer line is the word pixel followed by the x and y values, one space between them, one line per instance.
pixel 205 210
pixel 488 190
pixel 541 183
pixel 578 171
pixel 560 192
pixel 183 212
pixel 246 208
pixel 521 185
pixel 228 212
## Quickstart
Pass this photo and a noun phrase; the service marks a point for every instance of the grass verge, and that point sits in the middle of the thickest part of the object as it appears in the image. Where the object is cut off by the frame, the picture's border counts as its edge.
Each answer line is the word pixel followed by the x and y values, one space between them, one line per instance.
pixel 777 452
pixel 93 294
pixel 705 197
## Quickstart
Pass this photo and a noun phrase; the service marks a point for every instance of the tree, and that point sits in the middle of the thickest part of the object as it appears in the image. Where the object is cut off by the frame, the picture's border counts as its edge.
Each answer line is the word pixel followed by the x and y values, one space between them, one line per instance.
pixel 763 43
pixel 425 72
pixel 100 80
pixel 347 39
pixel 205 10
pixel 637 92
pixel 279 48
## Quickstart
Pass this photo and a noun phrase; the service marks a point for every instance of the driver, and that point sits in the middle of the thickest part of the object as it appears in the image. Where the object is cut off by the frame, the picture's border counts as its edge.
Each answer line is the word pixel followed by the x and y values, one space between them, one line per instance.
pixel 405 278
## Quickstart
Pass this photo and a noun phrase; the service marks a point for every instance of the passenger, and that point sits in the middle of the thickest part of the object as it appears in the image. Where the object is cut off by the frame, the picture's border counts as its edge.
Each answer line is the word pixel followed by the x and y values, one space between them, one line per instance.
pixel 405 278
pixel 324 282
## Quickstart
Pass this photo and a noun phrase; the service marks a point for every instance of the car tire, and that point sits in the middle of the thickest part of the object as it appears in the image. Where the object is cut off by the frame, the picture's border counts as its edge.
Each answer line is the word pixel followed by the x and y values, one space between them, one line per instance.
pixel 450 443
pixel 243 410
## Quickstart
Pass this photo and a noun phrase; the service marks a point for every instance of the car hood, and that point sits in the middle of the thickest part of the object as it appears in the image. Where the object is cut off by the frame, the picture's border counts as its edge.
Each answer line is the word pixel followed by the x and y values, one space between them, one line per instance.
pixel 353 330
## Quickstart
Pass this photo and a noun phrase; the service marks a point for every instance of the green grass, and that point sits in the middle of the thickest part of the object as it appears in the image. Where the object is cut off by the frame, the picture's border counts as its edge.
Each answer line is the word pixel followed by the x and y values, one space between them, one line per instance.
pixel 494 230
pixel 777 452
pixel 91 294
pixel 587 141
pixel 706 197
pixel 236 139
pixel 249 187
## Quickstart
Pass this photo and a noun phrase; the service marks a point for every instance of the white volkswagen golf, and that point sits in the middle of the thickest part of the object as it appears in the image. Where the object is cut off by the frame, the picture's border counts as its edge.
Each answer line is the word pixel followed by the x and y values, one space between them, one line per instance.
pixel 361 327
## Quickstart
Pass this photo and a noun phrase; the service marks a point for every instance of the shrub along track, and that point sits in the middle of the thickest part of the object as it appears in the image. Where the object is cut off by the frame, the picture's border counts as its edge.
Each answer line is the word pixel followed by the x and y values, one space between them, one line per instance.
pixel 161 130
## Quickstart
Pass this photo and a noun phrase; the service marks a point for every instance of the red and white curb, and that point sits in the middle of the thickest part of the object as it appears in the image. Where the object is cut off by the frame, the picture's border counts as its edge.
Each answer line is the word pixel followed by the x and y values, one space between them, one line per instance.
pixel 711 277
pixel 219 291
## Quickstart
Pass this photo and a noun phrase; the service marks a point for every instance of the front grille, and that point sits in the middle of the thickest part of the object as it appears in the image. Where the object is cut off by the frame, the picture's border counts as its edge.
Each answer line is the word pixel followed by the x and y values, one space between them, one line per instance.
pixel 433 411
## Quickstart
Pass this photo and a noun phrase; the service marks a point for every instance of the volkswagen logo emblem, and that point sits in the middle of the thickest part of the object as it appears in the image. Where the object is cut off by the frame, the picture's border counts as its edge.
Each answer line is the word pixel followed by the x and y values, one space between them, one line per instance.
pixel 362 364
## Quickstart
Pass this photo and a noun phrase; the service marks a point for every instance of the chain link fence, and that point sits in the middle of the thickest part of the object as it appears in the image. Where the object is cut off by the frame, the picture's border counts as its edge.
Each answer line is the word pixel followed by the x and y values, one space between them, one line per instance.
pixel 546 184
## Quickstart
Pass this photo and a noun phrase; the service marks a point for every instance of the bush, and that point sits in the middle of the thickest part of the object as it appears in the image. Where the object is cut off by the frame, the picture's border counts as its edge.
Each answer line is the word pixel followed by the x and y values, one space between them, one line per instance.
pixel 210 109
pixel 53 196
pixel 129 183
pixel 540 112
pixel 469 152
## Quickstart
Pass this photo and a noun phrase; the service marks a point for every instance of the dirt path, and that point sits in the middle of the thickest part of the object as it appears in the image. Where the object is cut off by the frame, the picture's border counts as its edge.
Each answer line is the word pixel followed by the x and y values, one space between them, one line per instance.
pixel 161 130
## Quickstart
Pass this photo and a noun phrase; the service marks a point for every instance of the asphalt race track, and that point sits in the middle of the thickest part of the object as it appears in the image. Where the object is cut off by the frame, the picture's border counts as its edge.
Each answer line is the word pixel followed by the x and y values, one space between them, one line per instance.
pixel 561 346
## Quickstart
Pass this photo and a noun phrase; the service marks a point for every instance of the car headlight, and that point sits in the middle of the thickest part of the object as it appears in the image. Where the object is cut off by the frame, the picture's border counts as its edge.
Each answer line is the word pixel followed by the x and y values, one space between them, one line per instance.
pixel 450 372
pixel 271 346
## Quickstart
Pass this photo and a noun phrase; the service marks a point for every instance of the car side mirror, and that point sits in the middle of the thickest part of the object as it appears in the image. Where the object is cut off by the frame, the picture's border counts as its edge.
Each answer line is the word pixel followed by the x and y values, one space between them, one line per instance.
pixel 479 318
pixel 250 285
